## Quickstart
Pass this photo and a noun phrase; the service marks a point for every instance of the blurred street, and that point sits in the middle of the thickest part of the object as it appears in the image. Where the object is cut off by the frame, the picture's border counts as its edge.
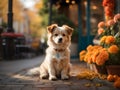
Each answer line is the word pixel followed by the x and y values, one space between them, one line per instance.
pixel 11 67
pixel 23 41
pixel 13 76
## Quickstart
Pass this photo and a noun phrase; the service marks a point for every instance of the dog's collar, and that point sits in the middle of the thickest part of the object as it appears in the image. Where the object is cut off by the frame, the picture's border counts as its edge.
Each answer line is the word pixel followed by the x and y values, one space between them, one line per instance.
pixel 59 50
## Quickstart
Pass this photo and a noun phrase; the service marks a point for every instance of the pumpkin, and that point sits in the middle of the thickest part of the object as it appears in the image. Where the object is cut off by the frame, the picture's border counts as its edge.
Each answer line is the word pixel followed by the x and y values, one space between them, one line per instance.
pixel 117 83
pixel 110 78
pixel 116 77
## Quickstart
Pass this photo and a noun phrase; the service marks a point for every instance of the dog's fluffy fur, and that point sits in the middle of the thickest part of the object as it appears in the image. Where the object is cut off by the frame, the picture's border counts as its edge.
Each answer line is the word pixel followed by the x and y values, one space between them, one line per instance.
pixel 57 60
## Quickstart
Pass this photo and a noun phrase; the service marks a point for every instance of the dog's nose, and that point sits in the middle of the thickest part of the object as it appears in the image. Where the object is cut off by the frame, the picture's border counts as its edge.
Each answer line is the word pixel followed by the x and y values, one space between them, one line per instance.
pixel 60 40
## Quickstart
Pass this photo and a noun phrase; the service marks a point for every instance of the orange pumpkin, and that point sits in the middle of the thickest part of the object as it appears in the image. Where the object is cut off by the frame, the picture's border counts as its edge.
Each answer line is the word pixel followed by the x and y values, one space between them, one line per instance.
pixel 110 78
pixel 116 77
pixel 117 83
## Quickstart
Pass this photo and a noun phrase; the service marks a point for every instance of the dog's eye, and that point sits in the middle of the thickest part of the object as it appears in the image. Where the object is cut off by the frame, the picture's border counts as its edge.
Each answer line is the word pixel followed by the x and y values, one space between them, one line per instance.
pixel 56 34
pixel 63 34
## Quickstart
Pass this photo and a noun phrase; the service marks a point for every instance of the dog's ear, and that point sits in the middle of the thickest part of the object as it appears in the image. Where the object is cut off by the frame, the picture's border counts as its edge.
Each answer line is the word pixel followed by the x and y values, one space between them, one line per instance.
pixel 69 29
pixel 51 28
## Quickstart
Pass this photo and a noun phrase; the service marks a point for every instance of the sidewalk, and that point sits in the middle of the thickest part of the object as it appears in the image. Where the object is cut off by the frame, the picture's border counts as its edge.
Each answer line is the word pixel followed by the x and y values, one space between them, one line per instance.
pixel 13 77
pixel 10 67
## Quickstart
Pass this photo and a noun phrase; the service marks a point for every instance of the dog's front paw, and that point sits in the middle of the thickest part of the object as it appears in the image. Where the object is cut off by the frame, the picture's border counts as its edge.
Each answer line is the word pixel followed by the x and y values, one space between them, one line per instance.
pixel 64 77
pixel 44 76
pixel 52 78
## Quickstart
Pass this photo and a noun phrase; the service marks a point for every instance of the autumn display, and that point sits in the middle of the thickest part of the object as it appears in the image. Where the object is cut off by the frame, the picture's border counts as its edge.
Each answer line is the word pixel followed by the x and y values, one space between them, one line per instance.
pixel 115 79
pixel 108 8
pixel 108 52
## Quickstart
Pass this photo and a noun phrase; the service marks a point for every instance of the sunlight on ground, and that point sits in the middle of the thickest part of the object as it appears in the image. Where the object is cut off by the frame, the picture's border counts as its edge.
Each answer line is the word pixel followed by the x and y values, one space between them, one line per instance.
pixel 79 70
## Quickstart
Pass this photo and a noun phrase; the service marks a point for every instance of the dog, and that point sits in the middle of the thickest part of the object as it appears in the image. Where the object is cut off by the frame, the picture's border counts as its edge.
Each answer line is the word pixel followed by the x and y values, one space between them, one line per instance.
pixel 57 59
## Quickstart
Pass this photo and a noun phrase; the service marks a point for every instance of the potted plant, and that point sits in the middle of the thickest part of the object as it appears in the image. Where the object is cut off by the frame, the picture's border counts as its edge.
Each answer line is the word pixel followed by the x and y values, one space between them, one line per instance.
pixel 107 53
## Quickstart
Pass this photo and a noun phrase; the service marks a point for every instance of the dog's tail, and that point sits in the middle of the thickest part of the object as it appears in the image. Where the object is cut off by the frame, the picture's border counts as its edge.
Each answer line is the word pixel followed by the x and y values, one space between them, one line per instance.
pixel 34 71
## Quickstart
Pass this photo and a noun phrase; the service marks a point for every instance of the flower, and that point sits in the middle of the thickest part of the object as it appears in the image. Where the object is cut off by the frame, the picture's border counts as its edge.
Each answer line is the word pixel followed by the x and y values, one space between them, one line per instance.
pixel 100 31
pixel 108 52
pixel 117 18
pixel 113 49
pixel 82 54
pixel 108 8
pixel 109 40
pixel 110 22
pixel 94 54
pixel 102 57
pixel 101 24
pixel 102 40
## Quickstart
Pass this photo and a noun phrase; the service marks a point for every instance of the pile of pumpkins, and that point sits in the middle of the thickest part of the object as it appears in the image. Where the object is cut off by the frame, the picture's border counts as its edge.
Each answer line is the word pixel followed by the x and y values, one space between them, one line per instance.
pixel 115 79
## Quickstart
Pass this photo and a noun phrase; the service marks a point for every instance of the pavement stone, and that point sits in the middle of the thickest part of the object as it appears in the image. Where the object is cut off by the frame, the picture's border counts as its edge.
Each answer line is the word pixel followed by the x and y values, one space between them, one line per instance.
pixel 21 81
pixel 9 67
pixel 47 88
pixel 64 88
pixel 27 87
pixel 11 87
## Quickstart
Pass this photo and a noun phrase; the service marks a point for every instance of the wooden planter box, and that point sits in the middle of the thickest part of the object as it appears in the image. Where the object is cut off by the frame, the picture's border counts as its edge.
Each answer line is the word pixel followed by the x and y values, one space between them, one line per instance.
pixel 98 69
pixel 113 69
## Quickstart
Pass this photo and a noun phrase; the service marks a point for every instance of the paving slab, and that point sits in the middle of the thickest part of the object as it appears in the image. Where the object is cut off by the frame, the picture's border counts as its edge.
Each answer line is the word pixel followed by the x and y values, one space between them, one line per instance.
pixel 21 81
pixel 14 66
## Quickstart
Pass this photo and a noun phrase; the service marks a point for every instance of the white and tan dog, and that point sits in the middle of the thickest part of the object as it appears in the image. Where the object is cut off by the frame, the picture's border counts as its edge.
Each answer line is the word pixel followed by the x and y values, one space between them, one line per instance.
pixel 57 60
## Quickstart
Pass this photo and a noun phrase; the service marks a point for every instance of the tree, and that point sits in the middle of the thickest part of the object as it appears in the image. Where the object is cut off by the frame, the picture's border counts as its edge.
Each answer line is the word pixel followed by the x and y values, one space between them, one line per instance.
pixel 44 13
pixel 17 9
pixel 58 18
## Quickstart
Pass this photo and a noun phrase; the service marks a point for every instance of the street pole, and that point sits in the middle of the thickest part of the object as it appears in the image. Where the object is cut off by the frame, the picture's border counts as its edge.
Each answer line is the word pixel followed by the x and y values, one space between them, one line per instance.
pixel 8 40
pixel 10 16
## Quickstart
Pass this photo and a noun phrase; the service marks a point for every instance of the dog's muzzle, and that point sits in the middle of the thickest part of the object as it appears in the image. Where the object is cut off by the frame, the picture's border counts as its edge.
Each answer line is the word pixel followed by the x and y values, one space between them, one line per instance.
pixel 60 40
